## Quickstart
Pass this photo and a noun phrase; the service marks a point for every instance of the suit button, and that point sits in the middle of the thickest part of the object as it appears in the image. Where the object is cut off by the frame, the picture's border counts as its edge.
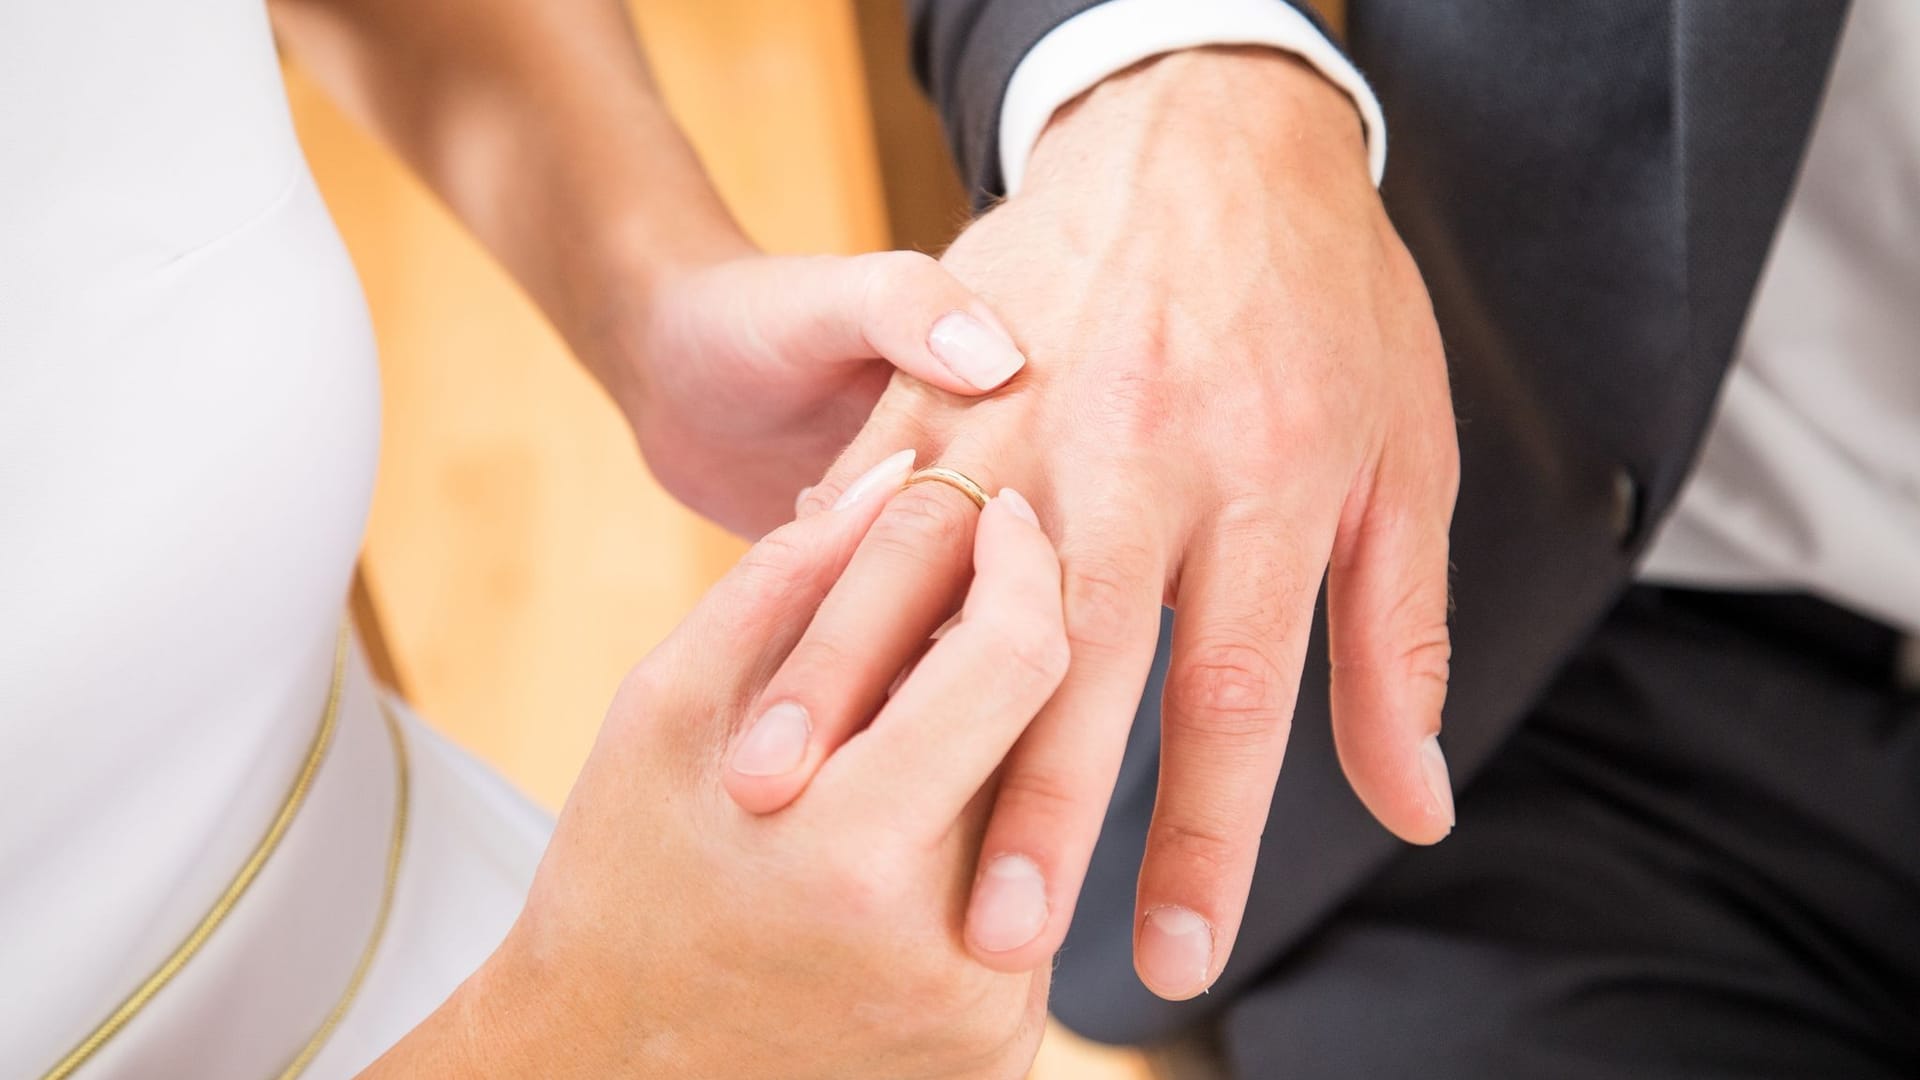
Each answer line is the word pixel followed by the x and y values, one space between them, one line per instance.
pixel 1626 508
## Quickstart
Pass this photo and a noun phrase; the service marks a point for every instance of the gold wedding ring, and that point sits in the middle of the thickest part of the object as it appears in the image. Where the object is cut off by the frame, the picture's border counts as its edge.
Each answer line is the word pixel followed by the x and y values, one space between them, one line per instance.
pixel 953 478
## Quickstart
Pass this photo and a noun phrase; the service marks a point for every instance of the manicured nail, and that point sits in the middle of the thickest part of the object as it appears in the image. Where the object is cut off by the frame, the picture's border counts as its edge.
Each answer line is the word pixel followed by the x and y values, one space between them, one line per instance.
pixel 1434 763
pixel 1021 508
pixel 1176 948
pixel 775 744
pixel 1009 904
pixel 801 499
pixel 981 356
pixel 889 474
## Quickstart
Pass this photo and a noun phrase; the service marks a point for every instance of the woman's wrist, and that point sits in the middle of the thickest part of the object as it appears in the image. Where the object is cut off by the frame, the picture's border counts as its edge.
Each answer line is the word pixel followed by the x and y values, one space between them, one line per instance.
pixel 617 288
pixel 512 1018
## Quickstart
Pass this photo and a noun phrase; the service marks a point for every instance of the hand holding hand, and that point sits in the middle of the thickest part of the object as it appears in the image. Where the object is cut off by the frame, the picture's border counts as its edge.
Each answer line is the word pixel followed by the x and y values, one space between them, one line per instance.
pixel 670 933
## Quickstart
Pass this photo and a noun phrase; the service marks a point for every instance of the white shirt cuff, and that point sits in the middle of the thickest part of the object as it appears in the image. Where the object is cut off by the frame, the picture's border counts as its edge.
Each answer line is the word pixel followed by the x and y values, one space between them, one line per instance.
pixel 1103 40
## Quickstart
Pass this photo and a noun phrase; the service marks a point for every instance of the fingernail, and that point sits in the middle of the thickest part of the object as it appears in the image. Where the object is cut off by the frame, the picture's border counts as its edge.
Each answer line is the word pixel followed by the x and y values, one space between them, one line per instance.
pixel 890 473
pixel 775 744
pixel 801 499
pixel 979 355
pixel 1009 904
pixel 1176 947
pixel 1021 508
pixel 1438 782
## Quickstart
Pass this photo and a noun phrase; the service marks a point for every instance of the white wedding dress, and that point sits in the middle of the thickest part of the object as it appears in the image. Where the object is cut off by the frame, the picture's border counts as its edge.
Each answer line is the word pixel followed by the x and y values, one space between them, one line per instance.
pixel 188 426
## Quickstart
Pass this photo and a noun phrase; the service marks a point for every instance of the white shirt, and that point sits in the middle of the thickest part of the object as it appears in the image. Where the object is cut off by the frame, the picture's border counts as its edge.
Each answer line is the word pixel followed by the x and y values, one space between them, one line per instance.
pixel 1809 479
pixel 1810 476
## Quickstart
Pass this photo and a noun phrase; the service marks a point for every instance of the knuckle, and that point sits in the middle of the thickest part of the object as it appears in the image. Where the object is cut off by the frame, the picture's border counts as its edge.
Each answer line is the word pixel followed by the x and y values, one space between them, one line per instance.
pixel 942 1018
pixel 1035 649
pixel 913 410
pixel 645 684
pixel 1103 593
pixel 1305 422
pixel 983 1014
pixel 1427 472
pixel 864 881
pixel 891 278
pixel 919 525
pixel 1418 617
pixel 1212 846
pixel 776 557
pixel 928 981
pixel 1044 799
pixel 971 449
pixel 899 419
pixel 1428 657
pixel 1225 692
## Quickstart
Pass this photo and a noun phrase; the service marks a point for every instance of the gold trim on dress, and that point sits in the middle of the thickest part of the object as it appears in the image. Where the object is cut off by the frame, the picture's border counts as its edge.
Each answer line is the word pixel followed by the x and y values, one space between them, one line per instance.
pixel 249 870
pixel 395 847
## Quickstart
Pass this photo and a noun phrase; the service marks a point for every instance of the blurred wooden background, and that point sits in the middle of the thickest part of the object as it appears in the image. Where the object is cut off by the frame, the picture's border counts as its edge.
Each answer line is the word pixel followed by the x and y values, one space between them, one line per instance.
pixel 519 556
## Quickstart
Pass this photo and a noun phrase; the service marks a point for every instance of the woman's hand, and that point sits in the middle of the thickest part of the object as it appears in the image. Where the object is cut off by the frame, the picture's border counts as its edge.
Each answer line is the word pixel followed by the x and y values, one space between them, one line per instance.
pixel 745 375
pixel 671 933
pixel 742 374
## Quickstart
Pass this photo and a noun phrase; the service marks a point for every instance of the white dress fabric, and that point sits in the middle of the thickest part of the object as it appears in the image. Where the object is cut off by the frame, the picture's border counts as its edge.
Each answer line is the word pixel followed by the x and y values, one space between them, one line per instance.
pixel 188 427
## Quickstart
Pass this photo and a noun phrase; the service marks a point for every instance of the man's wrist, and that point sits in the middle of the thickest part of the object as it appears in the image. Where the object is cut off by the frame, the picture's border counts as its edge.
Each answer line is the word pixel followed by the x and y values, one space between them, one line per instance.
pixel 1201 107
pixel 1111 36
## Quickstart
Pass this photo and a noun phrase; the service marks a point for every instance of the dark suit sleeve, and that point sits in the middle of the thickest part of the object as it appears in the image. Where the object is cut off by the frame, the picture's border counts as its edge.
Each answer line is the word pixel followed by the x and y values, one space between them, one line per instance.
pixel 965 52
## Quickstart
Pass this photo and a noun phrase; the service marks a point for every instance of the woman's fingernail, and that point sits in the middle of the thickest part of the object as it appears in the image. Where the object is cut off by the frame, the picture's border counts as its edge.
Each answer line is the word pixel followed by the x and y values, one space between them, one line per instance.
pixel 890 473
pixel 981 356
pixel 801 499
pixel 1021 508
pixel 1176 949
pixel 1009 905
pixel 775 744
pixel 1434 763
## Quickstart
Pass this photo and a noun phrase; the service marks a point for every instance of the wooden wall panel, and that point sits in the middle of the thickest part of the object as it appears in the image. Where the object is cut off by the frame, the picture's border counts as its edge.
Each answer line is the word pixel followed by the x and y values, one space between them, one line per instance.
pixel 926 205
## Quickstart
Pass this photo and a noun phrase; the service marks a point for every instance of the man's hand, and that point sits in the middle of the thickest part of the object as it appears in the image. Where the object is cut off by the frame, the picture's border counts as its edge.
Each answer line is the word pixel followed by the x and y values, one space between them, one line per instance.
pixel 1236 385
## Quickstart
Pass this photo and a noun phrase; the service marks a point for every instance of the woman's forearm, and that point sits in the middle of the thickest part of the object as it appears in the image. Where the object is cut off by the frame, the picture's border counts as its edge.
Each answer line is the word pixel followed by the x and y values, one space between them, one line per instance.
pixel 540 126
pixel 537 122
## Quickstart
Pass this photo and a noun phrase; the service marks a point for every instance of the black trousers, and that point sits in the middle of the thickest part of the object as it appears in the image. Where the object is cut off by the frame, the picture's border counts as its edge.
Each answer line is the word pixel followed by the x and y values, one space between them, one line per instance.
pixel 1700 857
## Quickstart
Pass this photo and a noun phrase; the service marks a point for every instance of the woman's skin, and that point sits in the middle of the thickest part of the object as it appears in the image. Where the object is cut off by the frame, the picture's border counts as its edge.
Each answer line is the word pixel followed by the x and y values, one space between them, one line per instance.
pixel 671 933
pixel 742 374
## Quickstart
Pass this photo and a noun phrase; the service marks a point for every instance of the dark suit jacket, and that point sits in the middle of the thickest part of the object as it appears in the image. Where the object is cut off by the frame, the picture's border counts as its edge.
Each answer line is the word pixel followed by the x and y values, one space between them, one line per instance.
pixel 1590 187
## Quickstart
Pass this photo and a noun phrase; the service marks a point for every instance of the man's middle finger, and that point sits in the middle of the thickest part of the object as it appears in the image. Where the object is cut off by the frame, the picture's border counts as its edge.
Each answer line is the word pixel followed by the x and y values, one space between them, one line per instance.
pixel 1056 784
pixel 1246 606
